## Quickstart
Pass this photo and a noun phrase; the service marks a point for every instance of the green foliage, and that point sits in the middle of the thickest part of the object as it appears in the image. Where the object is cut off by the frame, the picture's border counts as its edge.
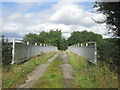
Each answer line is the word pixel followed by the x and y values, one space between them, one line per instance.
pixel 6 52
pixel 52 77
pixel 106 52
pixel 111 10
pixel 31 37
pixel 84 36
pixel 52 38
pixel 87 75
pixel 107 49
pixel 42 53
pixel 15 75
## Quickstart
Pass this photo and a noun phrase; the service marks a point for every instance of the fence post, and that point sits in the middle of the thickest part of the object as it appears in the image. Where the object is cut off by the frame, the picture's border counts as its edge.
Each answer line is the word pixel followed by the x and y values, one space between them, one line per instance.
pixel 13 52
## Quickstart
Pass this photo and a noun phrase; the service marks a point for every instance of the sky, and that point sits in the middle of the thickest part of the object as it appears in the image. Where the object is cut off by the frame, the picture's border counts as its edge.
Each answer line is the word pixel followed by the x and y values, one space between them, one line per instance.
pixel 21 18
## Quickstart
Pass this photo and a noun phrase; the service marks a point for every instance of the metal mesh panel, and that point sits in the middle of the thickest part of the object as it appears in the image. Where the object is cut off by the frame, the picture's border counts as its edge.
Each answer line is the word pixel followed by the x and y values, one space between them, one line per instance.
pixel 87 52
pixel 23 52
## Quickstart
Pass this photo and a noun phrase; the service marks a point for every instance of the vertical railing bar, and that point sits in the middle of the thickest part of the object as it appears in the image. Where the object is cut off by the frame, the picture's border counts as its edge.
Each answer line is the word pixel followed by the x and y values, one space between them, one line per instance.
pixel 13 52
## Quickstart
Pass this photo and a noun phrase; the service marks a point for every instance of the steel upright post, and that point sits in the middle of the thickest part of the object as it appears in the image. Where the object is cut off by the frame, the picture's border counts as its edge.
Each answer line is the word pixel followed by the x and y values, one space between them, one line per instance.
pixel 13 52
pixel 95 52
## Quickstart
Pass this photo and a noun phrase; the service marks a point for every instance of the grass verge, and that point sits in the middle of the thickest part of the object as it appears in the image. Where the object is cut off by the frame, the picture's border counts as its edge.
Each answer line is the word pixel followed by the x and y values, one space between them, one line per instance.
pixel 87 75
pixel 52 77
pixel 15 75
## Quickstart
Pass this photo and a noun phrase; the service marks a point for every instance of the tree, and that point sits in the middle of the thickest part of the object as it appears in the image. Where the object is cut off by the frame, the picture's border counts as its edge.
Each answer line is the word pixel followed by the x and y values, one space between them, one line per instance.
pixel 54 37
pixel 31 37
pixel 111 10
pixel 6 52
pixel 82 37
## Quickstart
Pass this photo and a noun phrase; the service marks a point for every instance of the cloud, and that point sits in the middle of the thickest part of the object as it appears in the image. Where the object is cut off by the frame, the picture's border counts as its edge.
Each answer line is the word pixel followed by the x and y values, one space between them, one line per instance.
pixel 67 17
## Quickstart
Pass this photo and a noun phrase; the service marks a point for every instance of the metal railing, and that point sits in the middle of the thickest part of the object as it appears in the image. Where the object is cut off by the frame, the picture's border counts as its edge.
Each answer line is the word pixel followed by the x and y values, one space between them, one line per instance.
pixel 22 52
pixel 88 51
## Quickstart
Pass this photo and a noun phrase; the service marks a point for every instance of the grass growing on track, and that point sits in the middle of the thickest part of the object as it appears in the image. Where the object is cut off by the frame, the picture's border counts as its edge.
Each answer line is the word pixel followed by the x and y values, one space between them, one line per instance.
pixel 87 75
pixel 52 77
pixel 16 75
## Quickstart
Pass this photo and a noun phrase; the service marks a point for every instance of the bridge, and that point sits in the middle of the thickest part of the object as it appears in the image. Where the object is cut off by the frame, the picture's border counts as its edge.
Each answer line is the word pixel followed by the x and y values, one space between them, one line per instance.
pixel 21 52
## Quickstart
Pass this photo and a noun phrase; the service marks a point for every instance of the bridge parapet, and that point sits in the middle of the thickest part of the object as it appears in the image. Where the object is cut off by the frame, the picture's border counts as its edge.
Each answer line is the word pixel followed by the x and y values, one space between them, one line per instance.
pixel 87 50
pixel 22 51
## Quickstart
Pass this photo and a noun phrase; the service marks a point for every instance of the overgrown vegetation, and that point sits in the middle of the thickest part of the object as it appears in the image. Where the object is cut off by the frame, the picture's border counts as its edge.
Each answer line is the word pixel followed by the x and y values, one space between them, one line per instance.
pixel 87 75
pixel 111 11
pixel 6 52
pixel 52 77
pixel 16 75
pixel 108 50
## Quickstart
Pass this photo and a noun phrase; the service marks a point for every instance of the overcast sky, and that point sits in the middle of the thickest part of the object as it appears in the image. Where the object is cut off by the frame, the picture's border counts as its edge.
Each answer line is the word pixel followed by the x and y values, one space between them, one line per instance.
pixel 20 18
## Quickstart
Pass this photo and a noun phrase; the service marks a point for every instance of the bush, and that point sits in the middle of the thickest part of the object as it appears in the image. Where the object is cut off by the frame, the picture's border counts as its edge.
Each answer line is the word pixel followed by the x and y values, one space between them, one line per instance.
pixel 108 52
pixel 6 53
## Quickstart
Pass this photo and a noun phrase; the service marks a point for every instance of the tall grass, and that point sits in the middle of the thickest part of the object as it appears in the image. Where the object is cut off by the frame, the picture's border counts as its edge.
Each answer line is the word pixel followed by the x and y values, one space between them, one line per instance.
pixel 88 75
pixel 15 75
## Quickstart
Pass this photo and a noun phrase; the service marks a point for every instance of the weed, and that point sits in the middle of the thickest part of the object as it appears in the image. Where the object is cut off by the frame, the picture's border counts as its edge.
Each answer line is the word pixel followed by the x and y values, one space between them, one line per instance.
pixel 16 75
pixel 90 76
pixel 42 53
pixel 52 77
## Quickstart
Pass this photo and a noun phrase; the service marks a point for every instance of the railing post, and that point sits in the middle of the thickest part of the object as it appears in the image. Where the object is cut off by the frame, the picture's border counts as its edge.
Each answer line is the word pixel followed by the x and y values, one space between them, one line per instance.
pixel 40 44
pixel 95 52
pixel 35 43
pixel 86 44
pixel 28 50
pixel 27 43
pixel 13 52
pixel 81 44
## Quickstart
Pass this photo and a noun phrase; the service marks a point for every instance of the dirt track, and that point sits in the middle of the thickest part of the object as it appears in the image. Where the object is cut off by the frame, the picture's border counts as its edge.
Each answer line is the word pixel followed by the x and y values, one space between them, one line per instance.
pixel 67 70
pixel 37 73
pixel 40 70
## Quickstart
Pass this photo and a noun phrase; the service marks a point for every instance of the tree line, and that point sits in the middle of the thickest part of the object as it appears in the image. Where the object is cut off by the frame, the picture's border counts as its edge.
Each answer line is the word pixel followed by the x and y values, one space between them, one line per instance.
pixel 54 37
pixel 108 50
